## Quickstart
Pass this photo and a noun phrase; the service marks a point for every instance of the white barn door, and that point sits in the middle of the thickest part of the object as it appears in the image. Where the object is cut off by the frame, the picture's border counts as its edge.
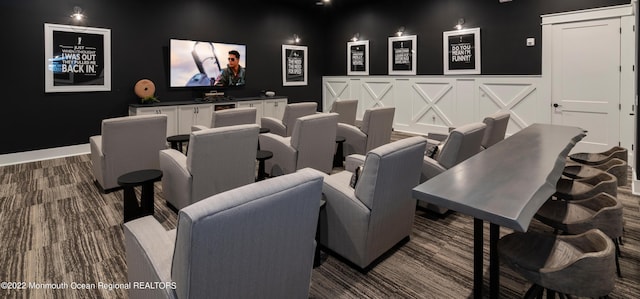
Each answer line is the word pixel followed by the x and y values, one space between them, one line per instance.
pixel 585 80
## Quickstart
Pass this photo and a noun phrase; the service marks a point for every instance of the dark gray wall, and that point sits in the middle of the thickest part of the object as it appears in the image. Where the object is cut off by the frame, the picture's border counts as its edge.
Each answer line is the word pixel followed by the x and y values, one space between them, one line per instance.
pixel 140 31
pixel 504 29
pixel 32 119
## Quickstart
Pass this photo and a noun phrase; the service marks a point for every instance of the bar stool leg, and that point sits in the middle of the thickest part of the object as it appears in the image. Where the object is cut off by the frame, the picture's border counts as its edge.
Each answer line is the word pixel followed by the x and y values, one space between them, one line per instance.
pixel 615 241
pixel 535 291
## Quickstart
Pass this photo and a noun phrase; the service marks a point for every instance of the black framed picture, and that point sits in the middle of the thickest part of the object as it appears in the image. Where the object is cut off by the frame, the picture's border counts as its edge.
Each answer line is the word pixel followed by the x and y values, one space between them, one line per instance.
pixel 403 55
pixel 461 51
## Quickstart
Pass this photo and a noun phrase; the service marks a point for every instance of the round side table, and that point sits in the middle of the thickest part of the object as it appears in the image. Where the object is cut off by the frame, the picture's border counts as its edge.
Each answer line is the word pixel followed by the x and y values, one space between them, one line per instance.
pixel 176 141
pixel 262 156
pixel 338 158
pixel 144 178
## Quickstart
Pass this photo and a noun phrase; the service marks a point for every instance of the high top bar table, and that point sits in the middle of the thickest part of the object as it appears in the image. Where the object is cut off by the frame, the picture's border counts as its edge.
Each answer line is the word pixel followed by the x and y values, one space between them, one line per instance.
pixel 505 185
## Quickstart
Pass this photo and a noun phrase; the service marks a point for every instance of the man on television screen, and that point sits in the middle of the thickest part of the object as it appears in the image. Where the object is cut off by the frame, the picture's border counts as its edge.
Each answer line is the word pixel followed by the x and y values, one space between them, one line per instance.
pixel 234 73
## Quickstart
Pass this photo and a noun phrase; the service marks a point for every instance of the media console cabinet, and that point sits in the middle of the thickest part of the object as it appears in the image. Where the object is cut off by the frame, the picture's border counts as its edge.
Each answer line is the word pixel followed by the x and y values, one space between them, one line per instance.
pixel 181 115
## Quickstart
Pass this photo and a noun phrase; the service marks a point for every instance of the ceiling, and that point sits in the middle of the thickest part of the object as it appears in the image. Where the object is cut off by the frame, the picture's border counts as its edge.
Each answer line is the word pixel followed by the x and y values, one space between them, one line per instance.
pixel 318 3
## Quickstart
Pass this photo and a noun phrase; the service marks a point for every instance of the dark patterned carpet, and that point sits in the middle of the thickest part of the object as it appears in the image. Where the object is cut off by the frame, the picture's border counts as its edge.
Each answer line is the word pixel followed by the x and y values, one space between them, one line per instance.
pixel 56 228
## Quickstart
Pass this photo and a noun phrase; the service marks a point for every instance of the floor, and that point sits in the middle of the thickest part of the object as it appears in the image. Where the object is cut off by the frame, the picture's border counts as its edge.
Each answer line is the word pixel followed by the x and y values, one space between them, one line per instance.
pixel 57 229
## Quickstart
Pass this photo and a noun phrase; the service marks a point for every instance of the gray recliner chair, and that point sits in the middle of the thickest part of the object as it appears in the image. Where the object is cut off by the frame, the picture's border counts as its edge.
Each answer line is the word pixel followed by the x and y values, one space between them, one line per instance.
pixel 347 110
pixel 230 117
pixel 495 132
pixel 218 159
pixel 312 144
pixel 362 223
pixel 462 143
pixel 376 128
pixel 284 127
pixel 496 128
pixel 256 241
pixel 127 144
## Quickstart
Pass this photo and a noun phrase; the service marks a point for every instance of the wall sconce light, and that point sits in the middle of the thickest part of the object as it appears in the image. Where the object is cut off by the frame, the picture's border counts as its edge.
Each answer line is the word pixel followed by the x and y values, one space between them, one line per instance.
pixel 400 31
pixel 355 37
pixel 296 39
pixel 323 2
pixel 77 14
pixel 459 25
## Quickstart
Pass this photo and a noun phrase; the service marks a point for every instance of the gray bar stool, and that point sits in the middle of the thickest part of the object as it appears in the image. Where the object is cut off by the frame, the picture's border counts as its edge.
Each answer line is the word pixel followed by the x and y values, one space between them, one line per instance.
pixel 574 189
pixel 615 166
pixel 603 212
pixel 580 265
pixel 599 158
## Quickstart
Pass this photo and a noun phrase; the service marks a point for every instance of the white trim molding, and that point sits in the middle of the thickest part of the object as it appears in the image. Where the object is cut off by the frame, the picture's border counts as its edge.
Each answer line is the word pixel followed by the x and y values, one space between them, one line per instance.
pixel 588 14
pixel 44 154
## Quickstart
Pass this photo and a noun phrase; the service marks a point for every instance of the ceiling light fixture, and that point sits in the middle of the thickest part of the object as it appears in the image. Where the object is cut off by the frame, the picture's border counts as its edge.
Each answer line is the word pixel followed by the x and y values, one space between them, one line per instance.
pixel 77 14
pixel 459 25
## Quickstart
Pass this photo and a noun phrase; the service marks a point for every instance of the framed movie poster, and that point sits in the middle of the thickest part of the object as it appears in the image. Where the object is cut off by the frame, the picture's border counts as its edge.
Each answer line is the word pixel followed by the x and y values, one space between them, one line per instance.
pixel 358 58
pixel 461 51
pixel 294 65
pixel 76 59
pixel 403 55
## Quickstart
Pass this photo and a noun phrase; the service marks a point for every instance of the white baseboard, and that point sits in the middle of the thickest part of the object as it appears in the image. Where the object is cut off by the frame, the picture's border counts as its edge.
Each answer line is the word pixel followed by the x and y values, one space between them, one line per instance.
pixel 45 154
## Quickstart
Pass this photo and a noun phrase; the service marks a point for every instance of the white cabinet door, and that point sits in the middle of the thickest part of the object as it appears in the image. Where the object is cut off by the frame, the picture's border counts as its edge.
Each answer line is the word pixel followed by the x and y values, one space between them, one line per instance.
pixel 204 113
pixel 256 104
pixel 275 107
pixel 170 111
pixel 189 115
pixel 182 117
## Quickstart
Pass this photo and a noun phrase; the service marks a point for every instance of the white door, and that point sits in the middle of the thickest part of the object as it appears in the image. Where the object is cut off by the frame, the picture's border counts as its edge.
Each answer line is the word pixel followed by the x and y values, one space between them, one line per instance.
pixel 585 80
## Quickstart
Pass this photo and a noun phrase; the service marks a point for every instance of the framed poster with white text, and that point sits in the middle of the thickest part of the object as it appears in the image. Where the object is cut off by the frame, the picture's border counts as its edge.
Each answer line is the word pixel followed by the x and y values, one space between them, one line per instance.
pixel 77 59
pixel 461 51
pixel 403 55
pixel 358 58
pixel 294 65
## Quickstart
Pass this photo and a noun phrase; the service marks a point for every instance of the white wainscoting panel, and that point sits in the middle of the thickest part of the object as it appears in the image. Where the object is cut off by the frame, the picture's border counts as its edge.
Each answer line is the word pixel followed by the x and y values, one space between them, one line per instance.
pixel 432 104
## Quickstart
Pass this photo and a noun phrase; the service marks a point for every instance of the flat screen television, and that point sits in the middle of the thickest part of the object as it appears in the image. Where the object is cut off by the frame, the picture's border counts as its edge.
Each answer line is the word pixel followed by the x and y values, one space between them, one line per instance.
pixel 206 64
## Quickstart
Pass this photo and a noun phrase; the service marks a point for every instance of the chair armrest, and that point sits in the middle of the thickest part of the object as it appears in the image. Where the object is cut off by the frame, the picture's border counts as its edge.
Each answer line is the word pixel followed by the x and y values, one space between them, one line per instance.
pixel 437 136
pixel 274 125
pixel 345 217
pixel 433 142
pixel 198 128
pixel 97 158
pixel 430 168
pixel 149 254
pixel 353 161
pixel 95 142
pixel 284 155
pixel 355 139
pixel 176 178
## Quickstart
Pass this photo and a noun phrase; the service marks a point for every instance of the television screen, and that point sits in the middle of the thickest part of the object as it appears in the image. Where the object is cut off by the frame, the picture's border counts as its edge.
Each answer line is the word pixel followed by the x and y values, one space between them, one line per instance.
pixel 201 63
